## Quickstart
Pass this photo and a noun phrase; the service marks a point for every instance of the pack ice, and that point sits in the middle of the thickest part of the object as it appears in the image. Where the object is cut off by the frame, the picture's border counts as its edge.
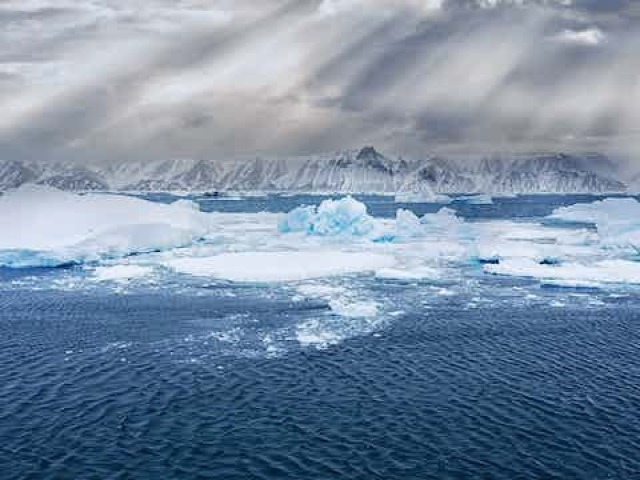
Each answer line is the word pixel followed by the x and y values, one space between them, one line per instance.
pixel 609 257
pixel 43 226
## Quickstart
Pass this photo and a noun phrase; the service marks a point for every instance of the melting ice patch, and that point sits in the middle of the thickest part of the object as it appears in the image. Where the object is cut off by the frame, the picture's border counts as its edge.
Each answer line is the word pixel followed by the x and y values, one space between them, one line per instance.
pixel 42 226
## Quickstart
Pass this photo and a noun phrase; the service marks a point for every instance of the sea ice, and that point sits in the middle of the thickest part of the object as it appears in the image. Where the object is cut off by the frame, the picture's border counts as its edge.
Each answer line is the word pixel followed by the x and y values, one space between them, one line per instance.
pixel 604 271
pixel 420 273
pixel 280 266
pixel 42 226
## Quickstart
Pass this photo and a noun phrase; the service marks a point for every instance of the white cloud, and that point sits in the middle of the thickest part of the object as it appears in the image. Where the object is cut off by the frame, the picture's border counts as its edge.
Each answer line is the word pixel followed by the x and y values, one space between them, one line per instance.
pixel 589 37
pixel 333 7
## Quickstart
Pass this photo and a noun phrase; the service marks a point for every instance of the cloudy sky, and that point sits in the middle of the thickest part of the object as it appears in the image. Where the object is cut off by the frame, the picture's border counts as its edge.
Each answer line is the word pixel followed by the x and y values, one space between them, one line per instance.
pixel 105 80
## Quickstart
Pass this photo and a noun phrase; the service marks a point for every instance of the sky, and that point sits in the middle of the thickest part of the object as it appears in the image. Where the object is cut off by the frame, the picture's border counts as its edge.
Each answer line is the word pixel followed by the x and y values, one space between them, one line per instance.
pixel 116 80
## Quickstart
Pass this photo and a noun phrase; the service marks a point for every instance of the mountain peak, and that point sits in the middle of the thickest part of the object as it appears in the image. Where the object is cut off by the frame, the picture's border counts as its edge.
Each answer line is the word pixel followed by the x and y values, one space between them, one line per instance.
pixel 368 152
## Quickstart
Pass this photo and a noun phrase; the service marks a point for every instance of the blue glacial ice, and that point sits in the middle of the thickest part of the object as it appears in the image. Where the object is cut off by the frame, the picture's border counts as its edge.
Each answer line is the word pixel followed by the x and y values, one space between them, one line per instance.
pixel 346 216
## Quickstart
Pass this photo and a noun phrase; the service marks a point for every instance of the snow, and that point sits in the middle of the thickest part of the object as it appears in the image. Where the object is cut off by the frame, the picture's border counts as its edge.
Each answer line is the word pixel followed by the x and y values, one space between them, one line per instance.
pixel 332 217
pixel 261 267
pixel 42 226
pixel 333 172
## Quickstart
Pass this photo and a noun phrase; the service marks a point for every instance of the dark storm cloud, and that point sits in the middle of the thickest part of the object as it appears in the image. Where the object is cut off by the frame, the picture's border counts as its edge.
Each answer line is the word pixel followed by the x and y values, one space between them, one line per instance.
pixel 101 80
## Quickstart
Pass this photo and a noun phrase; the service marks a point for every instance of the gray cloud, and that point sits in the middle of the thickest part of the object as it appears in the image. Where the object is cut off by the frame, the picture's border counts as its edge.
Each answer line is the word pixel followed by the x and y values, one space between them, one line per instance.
pixel 102 81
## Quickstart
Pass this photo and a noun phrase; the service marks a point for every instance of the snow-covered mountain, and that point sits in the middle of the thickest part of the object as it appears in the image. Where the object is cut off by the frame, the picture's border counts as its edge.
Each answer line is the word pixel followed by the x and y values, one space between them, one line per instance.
pixel 364 170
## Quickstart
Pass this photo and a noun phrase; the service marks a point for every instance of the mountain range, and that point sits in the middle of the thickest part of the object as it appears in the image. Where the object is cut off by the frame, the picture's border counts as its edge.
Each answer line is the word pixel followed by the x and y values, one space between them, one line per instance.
pixel 363 170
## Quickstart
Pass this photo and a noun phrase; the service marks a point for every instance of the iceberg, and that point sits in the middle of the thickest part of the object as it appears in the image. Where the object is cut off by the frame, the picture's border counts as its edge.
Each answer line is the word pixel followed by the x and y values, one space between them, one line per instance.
pixel 614 218
pixel 346 216
pixel 408 225
pixel 45 227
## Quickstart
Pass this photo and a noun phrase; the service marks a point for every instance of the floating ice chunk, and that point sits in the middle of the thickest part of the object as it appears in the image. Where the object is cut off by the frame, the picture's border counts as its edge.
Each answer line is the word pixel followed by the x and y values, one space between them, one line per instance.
pixel 551 282
pixel 477 199
pixel 445 217
pixel 299 220
pixel 610 209
pixel 409 274
pixel 616 220
pixel 121 273
pixel 280 266
pixel 315 333
pixel 421 197
pixel 188 204
pixel 42 226
pixel 320 291
pixel 353 309
pixel 331 217
pixel 605 271
pixel 408 225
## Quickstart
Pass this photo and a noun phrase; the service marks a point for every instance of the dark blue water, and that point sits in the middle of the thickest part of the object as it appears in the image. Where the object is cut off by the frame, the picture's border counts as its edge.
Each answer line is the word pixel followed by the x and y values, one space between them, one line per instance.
pixel 493 381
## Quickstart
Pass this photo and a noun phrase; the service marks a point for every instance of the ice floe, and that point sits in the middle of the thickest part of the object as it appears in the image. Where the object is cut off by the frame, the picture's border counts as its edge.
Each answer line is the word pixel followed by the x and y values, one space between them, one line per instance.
pixel 615 220
pixel 576 274
pixel 280 266
pixel 42 226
